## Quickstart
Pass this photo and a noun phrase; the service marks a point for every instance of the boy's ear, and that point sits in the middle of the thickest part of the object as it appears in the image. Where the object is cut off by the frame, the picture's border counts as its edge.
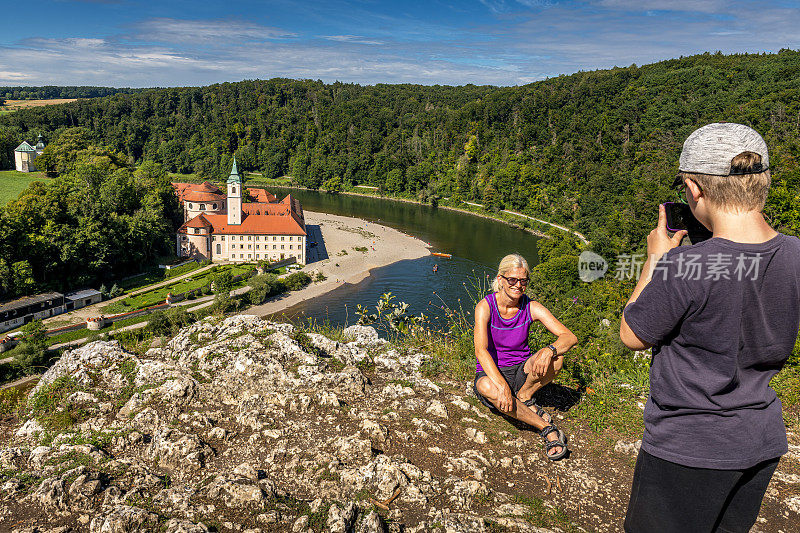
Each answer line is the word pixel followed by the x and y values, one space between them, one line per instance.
pixel 694 189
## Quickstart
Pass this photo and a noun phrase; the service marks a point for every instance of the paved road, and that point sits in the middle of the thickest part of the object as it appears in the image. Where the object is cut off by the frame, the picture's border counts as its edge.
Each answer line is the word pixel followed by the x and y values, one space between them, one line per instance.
pixel 581 236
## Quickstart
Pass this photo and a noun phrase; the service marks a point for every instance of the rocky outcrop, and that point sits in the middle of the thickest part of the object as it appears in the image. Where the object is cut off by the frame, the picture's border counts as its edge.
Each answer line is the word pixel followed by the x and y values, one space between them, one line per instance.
pixel 251 426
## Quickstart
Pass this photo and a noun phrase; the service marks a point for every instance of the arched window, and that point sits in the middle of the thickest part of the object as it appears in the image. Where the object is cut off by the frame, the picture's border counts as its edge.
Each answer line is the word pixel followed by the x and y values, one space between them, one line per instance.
pixel 215 207
pixel 202 207
pixel 190 206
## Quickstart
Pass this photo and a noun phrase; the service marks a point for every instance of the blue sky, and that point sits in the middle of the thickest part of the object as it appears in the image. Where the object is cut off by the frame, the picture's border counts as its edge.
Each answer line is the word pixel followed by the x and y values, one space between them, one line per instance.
pixel 140 43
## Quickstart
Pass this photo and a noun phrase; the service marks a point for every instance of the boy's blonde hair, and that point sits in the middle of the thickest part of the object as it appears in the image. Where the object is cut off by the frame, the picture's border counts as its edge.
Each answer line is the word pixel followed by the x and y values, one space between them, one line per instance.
pixel 743 189
pixel 507 263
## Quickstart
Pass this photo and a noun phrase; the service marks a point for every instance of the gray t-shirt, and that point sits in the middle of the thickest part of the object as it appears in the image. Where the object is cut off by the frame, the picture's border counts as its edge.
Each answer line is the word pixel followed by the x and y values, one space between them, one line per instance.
pixel 723 318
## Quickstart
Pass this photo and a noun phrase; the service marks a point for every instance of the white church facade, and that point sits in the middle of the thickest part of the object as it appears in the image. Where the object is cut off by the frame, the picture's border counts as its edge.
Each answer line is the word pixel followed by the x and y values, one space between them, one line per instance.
pixel 25 154
pixel 221 227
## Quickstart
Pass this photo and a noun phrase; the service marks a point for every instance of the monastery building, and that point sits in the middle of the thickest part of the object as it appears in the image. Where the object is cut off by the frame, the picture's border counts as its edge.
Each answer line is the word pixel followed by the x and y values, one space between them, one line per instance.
pixel 24 154
pixel 220 227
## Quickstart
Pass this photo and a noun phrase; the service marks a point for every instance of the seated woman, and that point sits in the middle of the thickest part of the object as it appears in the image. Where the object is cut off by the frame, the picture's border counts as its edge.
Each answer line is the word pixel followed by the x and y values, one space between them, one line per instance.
pixel 507 374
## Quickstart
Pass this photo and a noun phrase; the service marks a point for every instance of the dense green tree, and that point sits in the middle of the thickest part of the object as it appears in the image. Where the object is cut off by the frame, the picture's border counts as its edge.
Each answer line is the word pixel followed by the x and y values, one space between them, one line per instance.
pixel 96 221
pixel 33 346
pixel 333 185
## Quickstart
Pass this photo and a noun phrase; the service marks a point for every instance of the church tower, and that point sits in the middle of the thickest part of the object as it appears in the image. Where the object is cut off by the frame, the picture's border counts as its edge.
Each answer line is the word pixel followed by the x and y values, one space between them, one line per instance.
pixel 234 197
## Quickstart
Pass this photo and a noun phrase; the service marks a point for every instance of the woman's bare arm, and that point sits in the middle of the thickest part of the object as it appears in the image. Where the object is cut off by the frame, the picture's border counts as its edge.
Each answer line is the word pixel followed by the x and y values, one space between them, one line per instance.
pixel 566 339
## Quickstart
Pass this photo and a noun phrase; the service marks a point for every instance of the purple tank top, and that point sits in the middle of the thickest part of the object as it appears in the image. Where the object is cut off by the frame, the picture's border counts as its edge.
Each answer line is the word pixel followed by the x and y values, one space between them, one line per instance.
pixel 508 338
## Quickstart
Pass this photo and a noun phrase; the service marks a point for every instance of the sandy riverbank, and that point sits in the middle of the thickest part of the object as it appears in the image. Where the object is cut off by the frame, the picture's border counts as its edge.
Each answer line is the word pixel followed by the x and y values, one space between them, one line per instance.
pixel 336 257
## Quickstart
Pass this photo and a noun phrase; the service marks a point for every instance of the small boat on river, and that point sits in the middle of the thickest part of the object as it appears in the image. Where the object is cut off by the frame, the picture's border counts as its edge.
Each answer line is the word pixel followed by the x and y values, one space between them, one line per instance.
pixel 440 254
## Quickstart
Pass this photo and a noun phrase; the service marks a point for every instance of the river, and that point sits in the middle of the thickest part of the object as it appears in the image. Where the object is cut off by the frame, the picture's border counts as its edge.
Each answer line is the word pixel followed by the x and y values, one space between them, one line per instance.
pixel 477 244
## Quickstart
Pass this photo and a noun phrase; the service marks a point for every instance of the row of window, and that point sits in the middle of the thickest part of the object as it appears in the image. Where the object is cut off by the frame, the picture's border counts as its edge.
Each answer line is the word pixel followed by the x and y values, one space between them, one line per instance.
pixel 199 231
pixel 203 207
pixel 257 238
pixel 266 246
pixel 258 256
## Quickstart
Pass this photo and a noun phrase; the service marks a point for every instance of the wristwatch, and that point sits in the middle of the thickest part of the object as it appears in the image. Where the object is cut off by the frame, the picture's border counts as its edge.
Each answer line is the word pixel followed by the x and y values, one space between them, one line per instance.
pixel 555 352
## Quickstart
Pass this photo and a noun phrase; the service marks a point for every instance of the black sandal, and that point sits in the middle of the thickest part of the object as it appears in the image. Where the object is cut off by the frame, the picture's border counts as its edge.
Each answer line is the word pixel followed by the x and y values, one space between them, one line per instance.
pixel 544 415
pixel 560 441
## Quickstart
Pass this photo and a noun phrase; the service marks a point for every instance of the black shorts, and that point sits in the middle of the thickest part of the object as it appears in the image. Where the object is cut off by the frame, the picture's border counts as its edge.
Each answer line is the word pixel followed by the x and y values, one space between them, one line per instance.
pixel 670 498
pixel 514 375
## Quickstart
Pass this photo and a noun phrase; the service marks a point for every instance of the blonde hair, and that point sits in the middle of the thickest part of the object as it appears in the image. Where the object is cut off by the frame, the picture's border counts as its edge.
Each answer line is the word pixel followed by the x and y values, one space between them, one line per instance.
pixel 744 189
pixel 507 263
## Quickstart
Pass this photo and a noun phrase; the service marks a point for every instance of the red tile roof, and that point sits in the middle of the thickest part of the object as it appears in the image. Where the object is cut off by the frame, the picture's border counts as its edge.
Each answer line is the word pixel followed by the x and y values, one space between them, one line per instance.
pixel 182 189
pixel 262 196
pixel 274 224
pixel 202 196
pixel 200 221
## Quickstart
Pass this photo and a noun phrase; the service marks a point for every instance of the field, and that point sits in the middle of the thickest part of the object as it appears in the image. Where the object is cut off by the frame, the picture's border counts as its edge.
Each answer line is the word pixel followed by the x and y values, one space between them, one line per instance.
pixel 13 105
pixel 12 183
pixel 255 178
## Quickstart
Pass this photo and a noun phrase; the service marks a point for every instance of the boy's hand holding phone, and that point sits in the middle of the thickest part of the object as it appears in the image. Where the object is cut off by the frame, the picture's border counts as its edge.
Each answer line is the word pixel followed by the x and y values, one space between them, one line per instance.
pixel 680 217
pixel 658 241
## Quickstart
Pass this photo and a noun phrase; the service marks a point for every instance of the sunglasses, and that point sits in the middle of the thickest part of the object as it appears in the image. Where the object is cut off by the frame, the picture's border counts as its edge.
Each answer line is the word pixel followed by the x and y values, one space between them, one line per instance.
pixel 680 186
pixel 514 281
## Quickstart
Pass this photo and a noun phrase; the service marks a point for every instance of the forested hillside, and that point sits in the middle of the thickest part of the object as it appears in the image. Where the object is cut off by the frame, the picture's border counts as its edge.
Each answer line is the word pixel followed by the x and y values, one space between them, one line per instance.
pixel 594 150
pixel 56 91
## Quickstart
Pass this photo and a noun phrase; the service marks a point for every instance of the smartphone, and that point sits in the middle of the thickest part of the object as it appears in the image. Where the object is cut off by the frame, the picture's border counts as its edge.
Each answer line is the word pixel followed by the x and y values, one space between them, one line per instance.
pixel 680 217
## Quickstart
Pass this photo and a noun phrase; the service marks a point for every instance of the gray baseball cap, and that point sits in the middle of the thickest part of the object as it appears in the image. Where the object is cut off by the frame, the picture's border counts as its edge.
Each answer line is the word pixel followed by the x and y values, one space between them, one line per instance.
pixel 710 149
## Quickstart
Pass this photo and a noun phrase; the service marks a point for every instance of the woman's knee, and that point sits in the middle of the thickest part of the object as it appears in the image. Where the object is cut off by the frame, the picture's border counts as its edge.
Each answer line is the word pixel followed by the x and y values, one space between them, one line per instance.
pixel 486 387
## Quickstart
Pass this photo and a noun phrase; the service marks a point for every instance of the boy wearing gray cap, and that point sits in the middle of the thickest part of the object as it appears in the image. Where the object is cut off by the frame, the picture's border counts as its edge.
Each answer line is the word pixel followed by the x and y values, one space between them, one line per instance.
pixel 722 317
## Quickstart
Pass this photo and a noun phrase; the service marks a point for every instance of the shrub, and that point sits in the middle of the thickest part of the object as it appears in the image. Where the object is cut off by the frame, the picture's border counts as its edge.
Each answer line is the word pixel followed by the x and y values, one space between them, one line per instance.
pixel 223 281
pixel 115 291
pixel 33 347
pixel 169 322
pixel 296 281
pixel 223 303
pixel 263 287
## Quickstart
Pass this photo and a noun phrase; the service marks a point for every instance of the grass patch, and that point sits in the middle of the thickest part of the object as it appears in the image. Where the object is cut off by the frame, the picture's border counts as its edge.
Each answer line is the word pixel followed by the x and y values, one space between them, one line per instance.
pixel 787 385
pixel 12 183
pixel 11 401
pixel 254 178
pixel 542 515
pixel 610 402
pixel 299 336
pixel 366 365
pixel 50 408
pixel 181 270
pixel 28 481
pixel 141 280
pixel 86 333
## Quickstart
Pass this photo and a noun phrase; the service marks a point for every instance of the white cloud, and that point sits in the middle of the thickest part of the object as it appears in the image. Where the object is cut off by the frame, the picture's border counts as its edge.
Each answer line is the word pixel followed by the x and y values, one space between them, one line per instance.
pixel 219 32
pixel 356 39
pixel 124 64
pixel 10 75
pixel 692 6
